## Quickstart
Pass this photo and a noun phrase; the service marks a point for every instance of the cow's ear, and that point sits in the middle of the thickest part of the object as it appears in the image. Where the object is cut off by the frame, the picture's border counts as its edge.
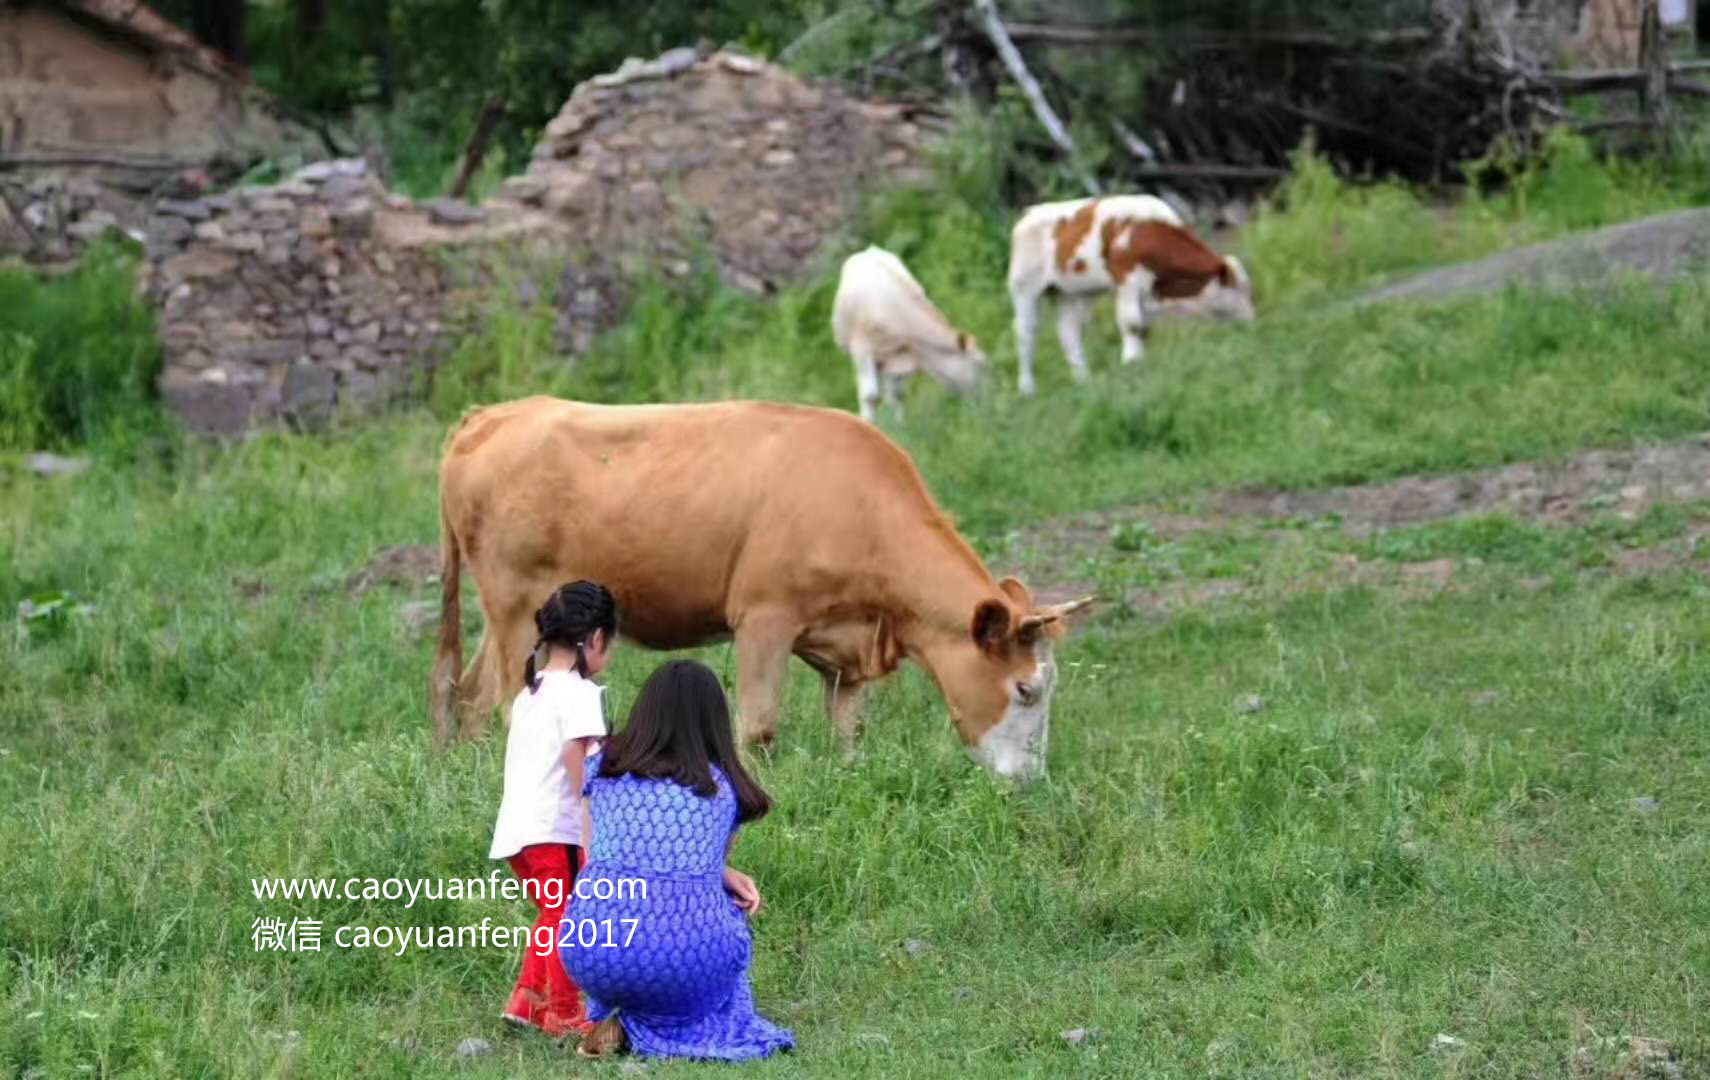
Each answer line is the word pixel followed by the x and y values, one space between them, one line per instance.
pixel 1016 591
pixel 964 343
pixel 991 625
pixel 1226 275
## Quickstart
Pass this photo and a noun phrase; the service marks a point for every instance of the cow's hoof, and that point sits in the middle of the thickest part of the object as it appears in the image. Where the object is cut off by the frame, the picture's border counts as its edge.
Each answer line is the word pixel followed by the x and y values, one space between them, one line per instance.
pixel 1025 388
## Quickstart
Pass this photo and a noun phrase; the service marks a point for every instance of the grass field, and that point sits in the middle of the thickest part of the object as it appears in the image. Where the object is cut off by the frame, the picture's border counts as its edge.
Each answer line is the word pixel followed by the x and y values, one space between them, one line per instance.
pixel 1472 807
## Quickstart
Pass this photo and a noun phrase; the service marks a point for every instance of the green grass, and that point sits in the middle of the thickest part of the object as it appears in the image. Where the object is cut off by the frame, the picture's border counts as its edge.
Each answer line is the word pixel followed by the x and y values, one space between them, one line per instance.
pixel 1428 827
pixel 77 356
pixel 1318 888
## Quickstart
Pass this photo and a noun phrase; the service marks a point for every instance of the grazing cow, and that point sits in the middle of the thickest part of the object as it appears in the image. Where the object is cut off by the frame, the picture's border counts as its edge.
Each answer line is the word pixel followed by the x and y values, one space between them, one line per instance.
pixel 884 321
pixel 792 529
pixel 1133 245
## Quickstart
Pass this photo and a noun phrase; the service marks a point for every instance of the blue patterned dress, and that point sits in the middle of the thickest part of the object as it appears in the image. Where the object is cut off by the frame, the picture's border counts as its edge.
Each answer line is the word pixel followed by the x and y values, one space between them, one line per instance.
pixel 678 972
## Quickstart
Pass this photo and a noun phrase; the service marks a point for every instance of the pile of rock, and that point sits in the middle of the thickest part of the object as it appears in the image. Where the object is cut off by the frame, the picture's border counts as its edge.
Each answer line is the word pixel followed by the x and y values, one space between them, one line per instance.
pixel 283 302
pixel 725 150
pixel 51 218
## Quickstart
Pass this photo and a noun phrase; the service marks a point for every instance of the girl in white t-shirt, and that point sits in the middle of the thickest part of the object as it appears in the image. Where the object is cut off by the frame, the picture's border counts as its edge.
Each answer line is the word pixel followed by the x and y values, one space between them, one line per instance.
pixel 543 829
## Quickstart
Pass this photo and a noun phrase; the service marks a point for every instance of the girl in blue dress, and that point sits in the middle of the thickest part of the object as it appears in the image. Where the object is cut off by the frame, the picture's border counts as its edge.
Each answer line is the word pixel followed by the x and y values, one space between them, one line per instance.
pixel 657 937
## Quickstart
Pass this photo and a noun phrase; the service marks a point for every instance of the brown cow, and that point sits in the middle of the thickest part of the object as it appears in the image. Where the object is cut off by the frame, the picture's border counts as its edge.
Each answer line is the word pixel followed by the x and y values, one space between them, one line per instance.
pixel 793 529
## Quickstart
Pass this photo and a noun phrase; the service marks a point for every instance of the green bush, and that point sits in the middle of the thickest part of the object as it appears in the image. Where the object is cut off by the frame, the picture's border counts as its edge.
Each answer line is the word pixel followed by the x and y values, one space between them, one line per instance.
pixel 77 354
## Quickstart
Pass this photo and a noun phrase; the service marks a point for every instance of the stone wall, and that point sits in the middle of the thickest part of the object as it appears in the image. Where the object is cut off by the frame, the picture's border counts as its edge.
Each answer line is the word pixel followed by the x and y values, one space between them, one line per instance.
pixel 286 303
pixel 723 149
pixel 282 302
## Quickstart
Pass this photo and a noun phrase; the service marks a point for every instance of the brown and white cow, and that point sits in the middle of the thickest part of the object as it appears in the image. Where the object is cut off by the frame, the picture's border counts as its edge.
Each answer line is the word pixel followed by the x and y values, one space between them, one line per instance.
pixel 1132 245
pixel 883 319
pixel 796 530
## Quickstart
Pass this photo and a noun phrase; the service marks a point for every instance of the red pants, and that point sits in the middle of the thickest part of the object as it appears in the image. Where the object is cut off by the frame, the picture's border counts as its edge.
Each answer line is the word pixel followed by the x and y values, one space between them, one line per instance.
pixel 550 998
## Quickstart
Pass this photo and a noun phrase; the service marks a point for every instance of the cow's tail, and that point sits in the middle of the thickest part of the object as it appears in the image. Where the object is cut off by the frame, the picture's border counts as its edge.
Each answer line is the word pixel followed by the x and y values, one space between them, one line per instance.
pixel 448 655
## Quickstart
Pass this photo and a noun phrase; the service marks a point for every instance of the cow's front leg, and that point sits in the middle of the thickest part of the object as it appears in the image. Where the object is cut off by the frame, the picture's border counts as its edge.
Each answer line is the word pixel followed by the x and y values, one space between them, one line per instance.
pixel 893 393
pixel 763 646
pixel 843 708
pixel 1026 301
pixel 867 384
pixel 1131 320
pixel 1071 318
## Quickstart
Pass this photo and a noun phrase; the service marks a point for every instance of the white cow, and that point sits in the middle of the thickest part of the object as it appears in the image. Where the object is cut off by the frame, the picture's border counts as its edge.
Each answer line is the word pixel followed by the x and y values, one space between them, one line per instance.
pixel 1133 245
pixel 884 321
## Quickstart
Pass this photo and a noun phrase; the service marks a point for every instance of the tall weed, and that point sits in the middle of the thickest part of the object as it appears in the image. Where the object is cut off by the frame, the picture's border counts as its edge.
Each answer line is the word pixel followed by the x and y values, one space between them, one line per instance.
pixel 77 355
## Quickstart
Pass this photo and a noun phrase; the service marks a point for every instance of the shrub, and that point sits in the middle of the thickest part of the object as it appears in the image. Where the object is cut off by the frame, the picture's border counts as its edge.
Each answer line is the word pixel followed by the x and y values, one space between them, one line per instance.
pixel 78 354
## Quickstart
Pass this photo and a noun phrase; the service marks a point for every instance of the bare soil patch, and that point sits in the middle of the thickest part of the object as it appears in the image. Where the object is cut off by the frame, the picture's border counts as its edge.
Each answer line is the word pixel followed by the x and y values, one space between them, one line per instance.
pixel 409 565
pixel 1569 491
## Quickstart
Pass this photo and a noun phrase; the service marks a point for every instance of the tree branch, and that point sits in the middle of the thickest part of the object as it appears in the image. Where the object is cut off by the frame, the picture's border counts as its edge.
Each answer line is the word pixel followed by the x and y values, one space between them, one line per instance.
pixel 1042 110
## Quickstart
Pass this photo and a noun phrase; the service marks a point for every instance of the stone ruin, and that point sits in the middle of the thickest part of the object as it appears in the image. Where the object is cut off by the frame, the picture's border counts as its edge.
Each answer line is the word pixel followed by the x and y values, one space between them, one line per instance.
pixel 281 302
pixel 725 149
pixel 328 293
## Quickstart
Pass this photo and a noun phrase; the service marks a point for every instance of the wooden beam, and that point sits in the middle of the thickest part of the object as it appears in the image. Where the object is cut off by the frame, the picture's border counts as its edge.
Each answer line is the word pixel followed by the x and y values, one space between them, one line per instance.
pixel 1210 171
pixel 25 159
pixel 1118 35
pixel 491 113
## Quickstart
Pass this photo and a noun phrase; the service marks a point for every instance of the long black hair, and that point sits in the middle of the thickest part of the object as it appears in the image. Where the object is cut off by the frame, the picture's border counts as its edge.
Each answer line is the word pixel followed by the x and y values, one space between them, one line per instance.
pixel 678 728
pixel 568 619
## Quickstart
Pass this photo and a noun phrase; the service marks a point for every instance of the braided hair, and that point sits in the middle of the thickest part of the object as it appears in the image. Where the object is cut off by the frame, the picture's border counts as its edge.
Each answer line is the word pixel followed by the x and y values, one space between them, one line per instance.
pixel 569 618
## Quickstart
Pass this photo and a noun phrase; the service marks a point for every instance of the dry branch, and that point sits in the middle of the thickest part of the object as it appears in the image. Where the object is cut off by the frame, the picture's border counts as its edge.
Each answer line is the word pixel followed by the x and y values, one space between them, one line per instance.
pixel 1042 110
pixel 491 113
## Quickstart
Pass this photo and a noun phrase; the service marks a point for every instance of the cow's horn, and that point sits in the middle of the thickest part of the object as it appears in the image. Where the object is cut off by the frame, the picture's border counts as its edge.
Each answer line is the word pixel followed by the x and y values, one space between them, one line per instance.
pixel 1059 611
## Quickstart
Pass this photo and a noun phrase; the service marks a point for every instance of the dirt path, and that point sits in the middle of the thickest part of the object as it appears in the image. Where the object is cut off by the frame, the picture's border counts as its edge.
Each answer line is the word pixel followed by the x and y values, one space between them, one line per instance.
pixel 1565 492
pixel 1667 245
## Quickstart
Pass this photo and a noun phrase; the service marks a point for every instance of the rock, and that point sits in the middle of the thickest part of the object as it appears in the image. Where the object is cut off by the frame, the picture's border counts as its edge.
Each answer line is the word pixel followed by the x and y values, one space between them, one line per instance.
pixel 418 617
pixel 876 1037
pixel 308 394
pixel 91 228
pixel 1447 1042
pixel 1646 805
pixel 206 406
pixel 1484 699
pixel 742 65
pixel 474 1047
pixel 962 993
pixel 1080 1036
pixel 354 219
pixel 168 230
pixel 190 210
pixel 46 464
pixel 1249 704
pixel 632 1068
pixel 315 222
pixel 454 212
pixel 341 189
pixel 243 243
pixel 915 946
pixel 314 173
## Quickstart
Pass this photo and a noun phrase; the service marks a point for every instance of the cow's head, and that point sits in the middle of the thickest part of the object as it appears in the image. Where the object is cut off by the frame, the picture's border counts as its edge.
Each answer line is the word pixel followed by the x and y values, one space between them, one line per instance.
pixel 1226 295
pixel 998 682
pixel 1229 295
pixel 961 367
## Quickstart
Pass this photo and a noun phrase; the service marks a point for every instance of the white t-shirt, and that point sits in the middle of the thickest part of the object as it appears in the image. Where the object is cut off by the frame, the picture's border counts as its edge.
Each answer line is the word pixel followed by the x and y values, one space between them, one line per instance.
pixel 538 806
